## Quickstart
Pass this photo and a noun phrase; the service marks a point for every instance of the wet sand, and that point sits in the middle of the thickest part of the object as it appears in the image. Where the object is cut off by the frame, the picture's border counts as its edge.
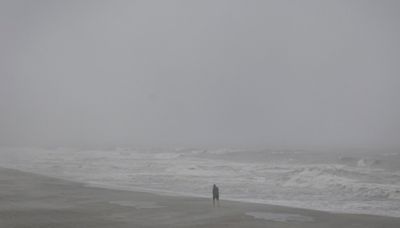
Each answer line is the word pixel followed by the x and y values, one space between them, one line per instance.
pixel 30 200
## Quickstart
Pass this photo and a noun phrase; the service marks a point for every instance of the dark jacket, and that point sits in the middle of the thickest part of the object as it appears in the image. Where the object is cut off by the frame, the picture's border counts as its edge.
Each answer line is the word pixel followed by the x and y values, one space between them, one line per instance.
pixel 215 191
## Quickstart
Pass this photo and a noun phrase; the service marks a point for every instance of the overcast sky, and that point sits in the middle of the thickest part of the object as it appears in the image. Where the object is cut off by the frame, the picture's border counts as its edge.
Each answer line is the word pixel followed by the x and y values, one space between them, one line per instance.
pixel 272 73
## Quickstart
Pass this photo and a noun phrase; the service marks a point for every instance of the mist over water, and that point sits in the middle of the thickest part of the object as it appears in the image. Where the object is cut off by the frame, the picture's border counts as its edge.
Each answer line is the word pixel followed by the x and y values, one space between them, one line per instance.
pixel 292 103
pixel 210 73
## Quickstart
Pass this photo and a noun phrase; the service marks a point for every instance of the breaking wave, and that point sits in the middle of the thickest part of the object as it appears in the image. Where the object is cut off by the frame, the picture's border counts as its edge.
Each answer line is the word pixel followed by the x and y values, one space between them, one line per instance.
pixel 350 184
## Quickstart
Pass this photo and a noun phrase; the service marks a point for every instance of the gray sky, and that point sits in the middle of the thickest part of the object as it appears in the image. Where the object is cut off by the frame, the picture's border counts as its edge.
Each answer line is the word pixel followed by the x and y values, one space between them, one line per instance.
pixel 273 73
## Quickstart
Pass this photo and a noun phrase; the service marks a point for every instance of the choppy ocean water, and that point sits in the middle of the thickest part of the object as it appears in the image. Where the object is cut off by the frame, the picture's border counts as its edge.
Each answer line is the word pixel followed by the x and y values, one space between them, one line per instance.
pixel 346 181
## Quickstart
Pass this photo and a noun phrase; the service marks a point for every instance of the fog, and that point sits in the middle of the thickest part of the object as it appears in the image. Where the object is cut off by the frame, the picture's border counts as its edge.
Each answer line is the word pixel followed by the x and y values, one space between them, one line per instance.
pixel 235 73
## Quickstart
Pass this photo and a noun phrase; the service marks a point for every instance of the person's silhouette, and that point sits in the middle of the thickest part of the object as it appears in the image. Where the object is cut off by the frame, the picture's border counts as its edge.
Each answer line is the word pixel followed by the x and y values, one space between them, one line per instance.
pixel 215 193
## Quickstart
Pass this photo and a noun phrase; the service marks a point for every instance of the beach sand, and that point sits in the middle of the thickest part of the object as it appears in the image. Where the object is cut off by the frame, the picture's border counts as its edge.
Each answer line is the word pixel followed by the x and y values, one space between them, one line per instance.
pixel 30 200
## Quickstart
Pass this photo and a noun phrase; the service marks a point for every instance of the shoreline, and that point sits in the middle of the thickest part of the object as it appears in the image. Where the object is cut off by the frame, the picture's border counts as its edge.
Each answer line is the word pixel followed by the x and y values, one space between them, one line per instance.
pixel 326 184
pixel 33 200
pixel 161 192
pixel 251 201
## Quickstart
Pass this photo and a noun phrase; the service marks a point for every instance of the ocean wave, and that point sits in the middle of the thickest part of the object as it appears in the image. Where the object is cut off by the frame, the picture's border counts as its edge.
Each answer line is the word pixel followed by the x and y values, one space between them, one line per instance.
pixel 349 182
pixel 348 187
pixel 367 162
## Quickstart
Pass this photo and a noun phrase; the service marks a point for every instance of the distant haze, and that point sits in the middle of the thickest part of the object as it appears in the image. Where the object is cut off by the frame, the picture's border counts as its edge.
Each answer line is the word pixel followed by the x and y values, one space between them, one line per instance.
pixel 242 73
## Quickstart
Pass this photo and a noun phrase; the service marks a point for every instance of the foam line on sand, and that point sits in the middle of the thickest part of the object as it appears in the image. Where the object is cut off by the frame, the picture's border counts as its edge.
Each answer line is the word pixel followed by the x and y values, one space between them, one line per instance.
pixel 31 200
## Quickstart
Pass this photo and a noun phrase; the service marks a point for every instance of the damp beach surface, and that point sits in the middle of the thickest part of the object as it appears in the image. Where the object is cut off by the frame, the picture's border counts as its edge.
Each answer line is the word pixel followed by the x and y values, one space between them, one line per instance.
pixel 31 200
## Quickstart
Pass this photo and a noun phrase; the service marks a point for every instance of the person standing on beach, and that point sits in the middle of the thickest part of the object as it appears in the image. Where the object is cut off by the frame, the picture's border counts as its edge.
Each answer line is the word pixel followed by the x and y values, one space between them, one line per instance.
pixel 215 193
